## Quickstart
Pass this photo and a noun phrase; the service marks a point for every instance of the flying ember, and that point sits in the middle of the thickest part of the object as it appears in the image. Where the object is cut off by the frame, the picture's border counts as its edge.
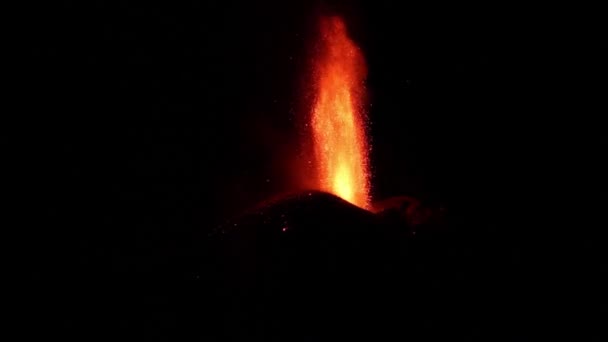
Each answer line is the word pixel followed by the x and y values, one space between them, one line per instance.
pixel 338 119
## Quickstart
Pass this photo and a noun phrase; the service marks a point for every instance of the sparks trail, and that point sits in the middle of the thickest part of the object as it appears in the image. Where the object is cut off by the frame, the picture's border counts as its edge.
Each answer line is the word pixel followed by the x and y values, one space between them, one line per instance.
pixel 338 118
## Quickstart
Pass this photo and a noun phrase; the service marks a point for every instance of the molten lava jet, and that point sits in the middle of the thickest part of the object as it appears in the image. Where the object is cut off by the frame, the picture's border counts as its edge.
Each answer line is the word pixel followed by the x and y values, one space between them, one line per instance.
pixel 338 119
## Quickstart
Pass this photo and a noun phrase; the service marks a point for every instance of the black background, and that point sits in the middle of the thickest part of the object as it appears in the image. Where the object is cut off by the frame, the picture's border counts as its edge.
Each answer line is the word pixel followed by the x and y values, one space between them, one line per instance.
pixel 155 122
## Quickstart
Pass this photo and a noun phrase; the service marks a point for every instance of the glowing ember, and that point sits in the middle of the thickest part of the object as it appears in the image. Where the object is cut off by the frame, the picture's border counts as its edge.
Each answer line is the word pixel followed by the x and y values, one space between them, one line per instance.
pixel 338 119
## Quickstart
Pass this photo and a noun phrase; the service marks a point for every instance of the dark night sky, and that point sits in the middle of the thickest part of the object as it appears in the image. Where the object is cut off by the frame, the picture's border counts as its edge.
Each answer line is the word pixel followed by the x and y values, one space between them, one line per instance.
pixel 177 106
pixel 158 121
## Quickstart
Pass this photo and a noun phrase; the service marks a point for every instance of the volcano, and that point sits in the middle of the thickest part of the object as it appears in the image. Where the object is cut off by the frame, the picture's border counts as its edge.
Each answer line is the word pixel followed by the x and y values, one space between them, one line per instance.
pixel 327 262
pixel 313 264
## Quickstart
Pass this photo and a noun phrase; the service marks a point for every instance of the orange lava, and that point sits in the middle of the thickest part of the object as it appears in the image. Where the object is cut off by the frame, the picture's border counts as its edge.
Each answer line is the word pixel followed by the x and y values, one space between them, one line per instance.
pixel 338 119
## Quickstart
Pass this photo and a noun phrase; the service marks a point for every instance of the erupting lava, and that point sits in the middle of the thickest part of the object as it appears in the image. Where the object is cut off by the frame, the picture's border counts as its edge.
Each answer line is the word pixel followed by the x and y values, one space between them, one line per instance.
pixel 338 119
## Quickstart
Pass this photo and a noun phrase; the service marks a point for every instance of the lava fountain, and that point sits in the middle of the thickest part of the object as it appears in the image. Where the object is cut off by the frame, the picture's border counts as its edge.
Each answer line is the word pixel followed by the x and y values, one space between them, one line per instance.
pixel 338 118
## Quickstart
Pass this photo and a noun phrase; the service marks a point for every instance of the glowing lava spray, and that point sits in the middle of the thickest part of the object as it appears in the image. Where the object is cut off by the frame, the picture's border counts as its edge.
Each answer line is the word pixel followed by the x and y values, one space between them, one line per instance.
pixel 338 118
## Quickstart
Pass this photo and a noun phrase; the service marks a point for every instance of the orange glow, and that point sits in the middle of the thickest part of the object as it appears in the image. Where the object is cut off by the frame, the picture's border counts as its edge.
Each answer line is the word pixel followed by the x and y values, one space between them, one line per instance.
pixel 338 119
